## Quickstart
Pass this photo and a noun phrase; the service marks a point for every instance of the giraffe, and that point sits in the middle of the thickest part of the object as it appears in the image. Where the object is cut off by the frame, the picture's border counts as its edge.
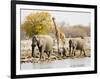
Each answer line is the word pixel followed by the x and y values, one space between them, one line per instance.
pixel 59 34
pixel 60 37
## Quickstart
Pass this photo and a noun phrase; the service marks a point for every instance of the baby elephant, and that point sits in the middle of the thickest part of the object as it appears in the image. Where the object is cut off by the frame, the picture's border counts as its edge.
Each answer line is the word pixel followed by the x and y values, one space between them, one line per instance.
pixel 44 44
pixel 76 44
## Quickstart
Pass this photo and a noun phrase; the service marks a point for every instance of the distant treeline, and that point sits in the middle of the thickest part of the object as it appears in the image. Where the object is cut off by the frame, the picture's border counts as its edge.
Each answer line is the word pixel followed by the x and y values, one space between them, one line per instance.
pixel 69 31
pixel 76 31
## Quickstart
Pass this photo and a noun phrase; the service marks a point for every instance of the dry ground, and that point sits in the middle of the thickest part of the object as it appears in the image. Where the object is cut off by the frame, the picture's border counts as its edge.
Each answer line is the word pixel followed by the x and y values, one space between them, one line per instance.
pixel 27 58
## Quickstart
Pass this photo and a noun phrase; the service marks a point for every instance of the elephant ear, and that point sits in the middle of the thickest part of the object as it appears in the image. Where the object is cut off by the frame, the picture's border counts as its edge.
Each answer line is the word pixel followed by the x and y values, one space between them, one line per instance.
pixel 40 42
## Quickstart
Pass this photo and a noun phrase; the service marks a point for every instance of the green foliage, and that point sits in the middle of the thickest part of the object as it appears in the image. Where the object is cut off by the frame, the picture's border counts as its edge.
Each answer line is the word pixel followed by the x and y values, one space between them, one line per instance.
pixel 37 23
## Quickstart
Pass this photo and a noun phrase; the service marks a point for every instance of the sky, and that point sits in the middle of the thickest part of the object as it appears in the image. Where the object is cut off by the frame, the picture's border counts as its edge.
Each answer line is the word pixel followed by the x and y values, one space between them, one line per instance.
pixel 69 17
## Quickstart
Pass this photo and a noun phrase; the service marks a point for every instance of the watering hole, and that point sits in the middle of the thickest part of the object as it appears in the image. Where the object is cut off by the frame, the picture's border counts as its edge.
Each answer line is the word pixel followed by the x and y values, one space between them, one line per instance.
pixel 76 62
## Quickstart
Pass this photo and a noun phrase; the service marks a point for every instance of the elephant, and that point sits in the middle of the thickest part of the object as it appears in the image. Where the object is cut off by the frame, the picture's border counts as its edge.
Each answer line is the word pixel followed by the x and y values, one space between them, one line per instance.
pixel 44 44
pixel 76 44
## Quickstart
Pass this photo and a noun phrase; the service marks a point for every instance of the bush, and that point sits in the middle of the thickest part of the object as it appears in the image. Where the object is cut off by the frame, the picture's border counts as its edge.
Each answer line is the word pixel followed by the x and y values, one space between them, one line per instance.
pixel 37 23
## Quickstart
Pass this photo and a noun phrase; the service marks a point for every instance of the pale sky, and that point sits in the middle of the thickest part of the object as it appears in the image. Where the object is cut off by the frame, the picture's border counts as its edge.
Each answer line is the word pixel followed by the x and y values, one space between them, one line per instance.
pixel 72 18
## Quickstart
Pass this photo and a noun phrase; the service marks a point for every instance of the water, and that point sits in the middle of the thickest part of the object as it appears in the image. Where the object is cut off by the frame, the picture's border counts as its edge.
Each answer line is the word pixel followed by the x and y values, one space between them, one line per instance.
pixel 77 62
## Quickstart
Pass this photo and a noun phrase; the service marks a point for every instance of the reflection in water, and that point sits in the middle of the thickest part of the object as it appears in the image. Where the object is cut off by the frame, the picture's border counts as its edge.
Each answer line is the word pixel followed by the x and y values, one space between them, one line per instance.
pixel 82 62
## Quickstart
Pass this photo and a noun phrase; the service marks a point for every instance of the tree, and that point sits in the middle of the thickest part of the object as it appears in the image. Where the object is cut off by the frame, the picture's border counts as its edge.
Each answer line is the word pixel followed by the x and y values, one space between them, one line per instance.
pixel 37 23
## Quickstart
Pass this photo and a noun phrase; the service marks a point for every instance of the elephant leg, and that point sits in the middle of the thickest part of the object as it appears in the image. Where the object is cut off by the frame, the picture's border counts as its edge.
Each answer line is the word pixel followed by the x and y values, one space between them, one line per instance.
pixel 40 55
pixel 69 51
pixel 71 54
pixel 64 52
pixel 41 52
pixel 74 52
pixel 84 52
pixel 48 53
pixel 80 52
pixel 33 51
